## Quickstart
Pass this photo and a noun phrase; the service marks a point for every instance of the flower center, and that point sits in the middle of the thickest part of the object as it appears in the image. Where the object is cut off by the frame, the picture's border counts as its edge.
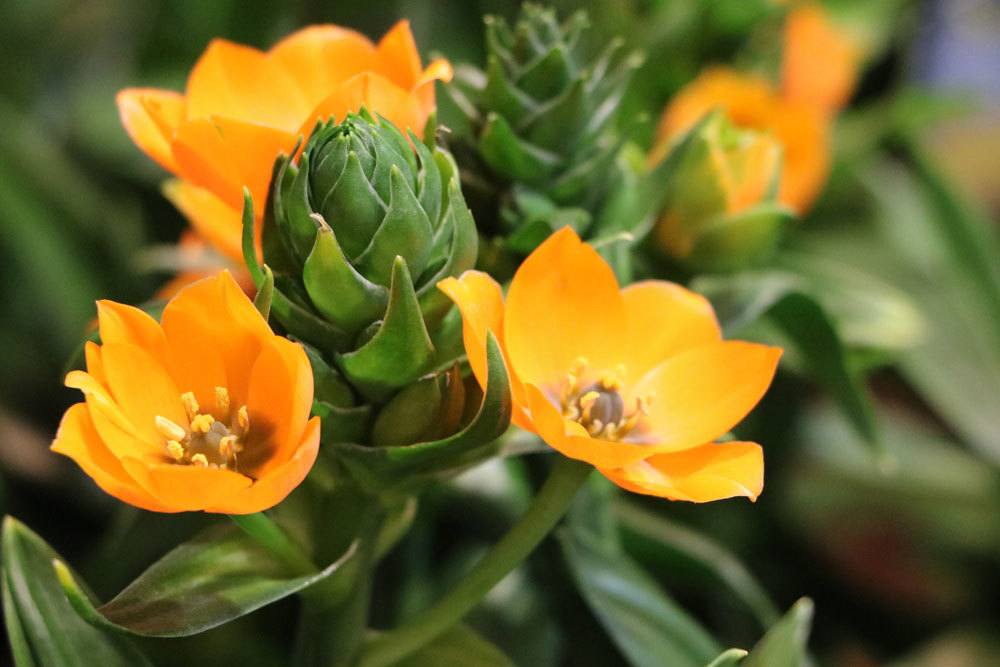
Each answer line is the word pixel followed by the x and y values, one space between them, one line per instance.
pixel 598 405
pixel 210 442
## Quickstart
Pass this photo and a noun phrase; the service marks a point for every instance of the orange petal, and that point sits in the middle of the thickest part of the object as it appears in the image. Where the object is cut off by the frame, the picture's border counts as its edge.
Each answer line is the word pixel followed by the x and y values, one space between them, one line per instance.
pixel 78 439
pixel 218 222
pixel 142 388
pixel 185 488
pixel 664 319
pixel 95 367
pixel 572 440
pixel 216 310
pixel 151 117
pixel 119 323
pixel 480 301
pixel 400 60
pixel 275 486
pixel 116 429
pixel 820 62
pixel 702 393
pixel 563 303
pixel 224 155
pixel 377 94
pixel 241 83
pixel 320 57
pixel 701 474
pixel 279 400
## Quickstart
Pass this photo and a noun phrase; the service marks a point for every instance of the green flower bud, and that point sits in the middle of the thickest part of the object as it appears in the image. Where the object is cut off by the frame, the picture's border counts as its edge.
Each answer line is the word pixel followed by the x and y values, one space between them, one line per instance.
pixel 543 113
pixel 359 231
pixel 720 209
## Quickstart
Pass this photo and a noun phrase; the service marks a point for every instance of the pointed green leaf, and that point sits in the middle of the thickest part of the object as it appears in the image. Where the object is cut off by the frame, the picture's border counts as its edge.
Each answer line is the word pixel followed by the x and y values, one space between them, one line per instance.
pixel 248 245
pixel 399 351
pixel 556 125
pixel 548 75
pixel 412 465
pixel 501 96
pixel 302 323
pixel 300 230
pixel 509 155
pixel 458 230
pixel 341 294
pixel 404 232
pixel 430 184
pixel 42 627
pixel 784 645
pixel 274 243
pixel 220 575
pixel 648 627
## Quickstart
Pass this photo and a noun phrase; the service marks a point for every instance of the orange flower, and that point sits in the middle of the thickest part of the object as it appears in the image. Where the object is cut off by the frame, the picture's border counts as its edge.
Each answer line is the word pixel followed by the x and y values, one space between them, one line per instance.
pixel 637 382
pixel 207 411
pixel 752 103
pixel 820 62
pixel 243 107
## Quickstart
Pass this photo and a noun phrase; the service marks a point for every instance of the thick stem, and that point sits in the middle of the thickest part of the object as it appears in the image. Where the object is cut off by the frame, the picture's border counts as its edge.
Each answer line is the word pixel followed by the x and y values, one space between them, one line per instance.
pixel 546 509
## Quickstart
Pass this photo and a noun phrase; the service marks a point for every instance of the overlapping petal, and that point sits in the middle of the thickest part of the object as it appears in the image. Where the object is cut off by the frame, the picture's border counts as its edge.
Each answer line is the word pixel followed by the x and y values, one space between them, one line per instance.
pixel 149 385
pixel 654 347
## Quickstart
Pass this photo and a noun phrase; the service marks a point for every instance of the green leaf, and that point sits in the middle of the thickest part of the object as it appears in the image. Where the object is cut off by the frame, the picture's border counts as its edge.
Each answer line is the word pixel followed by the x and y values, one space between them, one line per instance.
pixel 459 647
pixel 400 350
pixel 509 155
pixel 648 627
pixel 220 575
pixel 784 300
pixel 341 294
pixel 41 625
pixel 382 467
pixel 729 658
pixel 784 645
pixel 725 566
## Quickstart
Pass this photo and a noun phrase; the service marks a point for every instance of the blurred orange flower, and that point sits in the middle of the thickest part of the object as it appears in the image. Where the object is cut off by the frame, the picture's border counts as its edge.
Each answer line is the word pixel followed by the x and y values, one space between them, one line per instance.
pixel 636 381
pixel 243 107
pixel 819 70
pixel 207 411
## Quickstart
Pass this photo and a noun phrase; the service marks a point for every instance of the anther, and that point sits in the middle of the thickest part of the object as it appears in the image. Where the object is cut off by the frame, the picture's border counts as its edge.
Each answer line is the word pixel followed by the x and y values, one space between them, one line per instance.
pixel 227 446
pixel 175 449
pixel 200 460
pixel 222 401
pixel 243 419
pixel 169 429
pixel 190 403
pixel 202 423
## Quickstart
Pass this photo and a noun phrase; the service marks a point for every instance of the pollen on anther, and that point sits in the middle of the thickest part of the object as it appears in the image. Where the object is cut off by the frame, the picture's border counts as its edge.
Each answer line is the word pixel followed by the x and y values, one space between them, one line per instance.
pixel 175 449
pixel 227 446
pixel 200 460
pixel 243 419
pixel 190 404
pixel 222 401
pixel 202 423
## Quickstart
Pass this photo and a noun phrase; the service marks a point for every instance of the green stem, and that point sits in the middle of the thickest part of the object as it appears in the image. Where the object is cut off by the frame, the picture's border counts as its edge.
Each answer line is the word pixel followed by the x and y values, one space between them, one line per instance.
pixel 269 535
pixel 546 509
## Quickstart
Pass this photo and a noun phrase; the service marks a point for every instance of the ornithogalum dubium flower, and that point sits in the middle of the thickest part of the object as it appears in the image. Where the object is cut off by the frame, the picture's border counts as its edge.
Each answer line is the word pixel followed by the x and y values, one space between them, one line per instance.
pixel 819 68
pixel 243 107
pixel 636 381
pixel 207 410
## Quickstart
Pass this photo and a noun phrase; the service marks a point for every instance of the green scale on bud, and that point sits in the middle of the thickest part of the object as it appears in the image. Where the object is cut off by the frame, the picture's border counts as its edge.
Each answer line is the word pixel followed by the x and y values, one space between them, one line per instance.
pixel 719 207
pixel 358 231
pixel 542 122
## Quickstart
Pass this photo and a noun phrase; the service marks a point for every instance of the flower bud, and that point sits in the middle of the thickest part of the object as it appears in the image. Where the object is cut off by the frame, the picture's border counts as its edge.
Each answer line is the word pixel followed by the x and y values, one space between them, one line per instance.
pixel 358 231
pixel 720 210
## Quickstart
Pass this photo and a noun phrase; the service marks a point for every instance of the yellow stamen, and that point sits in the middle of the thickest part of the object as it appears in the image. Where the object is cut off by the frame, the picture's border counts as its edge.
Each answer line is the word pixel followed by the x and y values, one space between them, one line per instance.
pixel 202 423
pixel 200 460
pixel 243 419
pixel 222 401
pixel 190 403
pixel 169 429
pixel 227 446
pixel 175 449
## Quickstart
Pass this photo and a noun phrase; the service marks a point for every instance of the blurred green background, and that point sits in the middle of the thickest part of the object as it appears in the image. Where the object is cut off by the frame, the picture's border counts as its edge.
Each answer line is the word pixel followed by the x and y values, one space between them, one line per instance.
pixel 900 551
